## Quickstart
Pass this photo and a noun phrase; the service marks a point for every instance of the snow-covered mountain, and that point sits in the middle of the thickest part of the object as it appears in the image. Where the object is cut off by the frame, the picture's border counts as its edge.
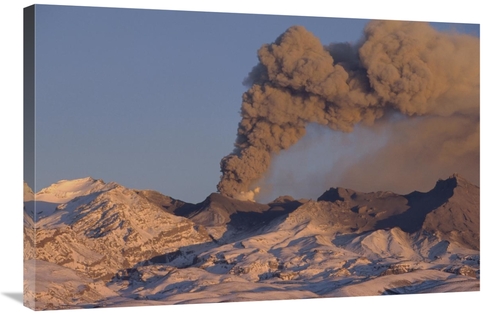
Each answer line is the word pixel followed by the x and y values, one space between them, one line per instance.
pixel 103 228
pixel 65 190
pixel 103 244
pixel 61 192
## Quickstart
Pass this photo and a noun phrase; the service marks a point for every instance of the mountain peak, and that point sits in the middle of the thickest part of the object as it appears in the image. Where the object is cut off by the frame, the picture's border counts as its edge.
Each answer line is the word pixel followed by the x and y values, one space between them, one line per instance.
pixel 451 183
pixel 460 180
pixel 67 189
pixel 339 193
pixel 458 210
pixel 230 203
pixel 283 199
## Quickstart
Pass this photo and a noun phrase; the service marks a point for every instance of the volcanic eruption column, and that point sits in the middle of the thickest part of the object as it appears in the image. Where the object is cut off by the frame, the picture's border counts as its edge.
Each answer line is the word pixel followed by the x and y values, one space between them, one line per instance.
pixel 407 67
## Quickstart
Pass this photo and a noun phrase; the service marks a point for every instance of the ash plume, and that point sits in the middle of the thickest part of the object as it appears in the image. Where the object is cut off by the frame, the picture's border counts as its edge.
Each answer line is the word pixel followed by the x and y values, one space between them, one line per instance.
pixel 404 67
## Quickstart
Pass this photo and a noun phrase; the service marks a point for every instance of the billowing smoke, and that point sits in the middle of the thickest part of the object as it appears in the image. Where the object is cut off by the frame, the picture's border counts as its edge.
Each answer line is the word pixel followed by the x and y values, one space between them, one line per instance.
pixel 403 67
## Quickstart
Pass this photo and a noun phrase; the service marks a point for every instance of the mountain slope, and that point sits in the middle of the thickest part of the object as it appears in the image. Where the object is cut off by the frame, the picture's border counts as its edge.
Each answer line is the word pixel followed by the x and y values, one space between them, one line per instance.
pixel 44 202
pixel 133 247
pixel 110 229
pixel 451 208
pixel 457 219
pixel 226 218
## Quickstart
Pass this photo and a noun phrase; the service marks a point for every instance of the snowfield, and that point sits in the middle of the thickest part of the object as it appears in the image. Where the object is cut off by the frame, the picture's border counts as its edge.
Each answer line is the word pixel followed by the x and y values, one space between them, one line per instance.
pixel 92 244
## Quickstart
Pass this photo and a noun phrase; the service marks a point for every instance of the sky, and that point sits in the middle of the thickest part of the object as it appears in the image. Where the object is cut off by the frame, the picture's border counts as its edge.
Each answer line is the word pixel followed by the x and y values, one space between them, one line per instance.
pixel 150 99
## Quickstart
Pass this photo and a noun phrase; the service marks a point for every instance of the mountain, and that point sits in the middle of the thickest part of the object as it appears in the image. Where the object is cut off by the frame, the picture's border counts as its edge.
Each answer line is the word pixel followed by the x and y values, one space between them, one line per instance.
pixel 58 193
pixel 105 228
pixel 114 246
pixel 227 218
pixel 451 209
pixel 217 209
pixel 65 190
pixel 456 219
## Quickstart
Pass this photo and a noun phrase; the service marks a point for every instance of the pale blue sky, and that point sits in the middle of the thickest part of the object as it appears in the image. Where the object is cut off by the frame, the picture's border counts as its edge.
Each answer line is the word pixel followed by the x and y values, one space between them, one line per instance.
pixel 148 98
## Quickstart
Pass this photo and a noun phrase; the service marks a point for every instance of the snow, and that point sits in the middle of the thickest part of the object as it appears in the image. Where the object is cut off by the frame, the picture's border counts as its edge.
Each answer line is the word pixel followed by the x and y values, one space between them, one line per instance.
pixel 59 287
pixel 45 203
pixel 419 281
pixel 99 241
pixel 65 190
